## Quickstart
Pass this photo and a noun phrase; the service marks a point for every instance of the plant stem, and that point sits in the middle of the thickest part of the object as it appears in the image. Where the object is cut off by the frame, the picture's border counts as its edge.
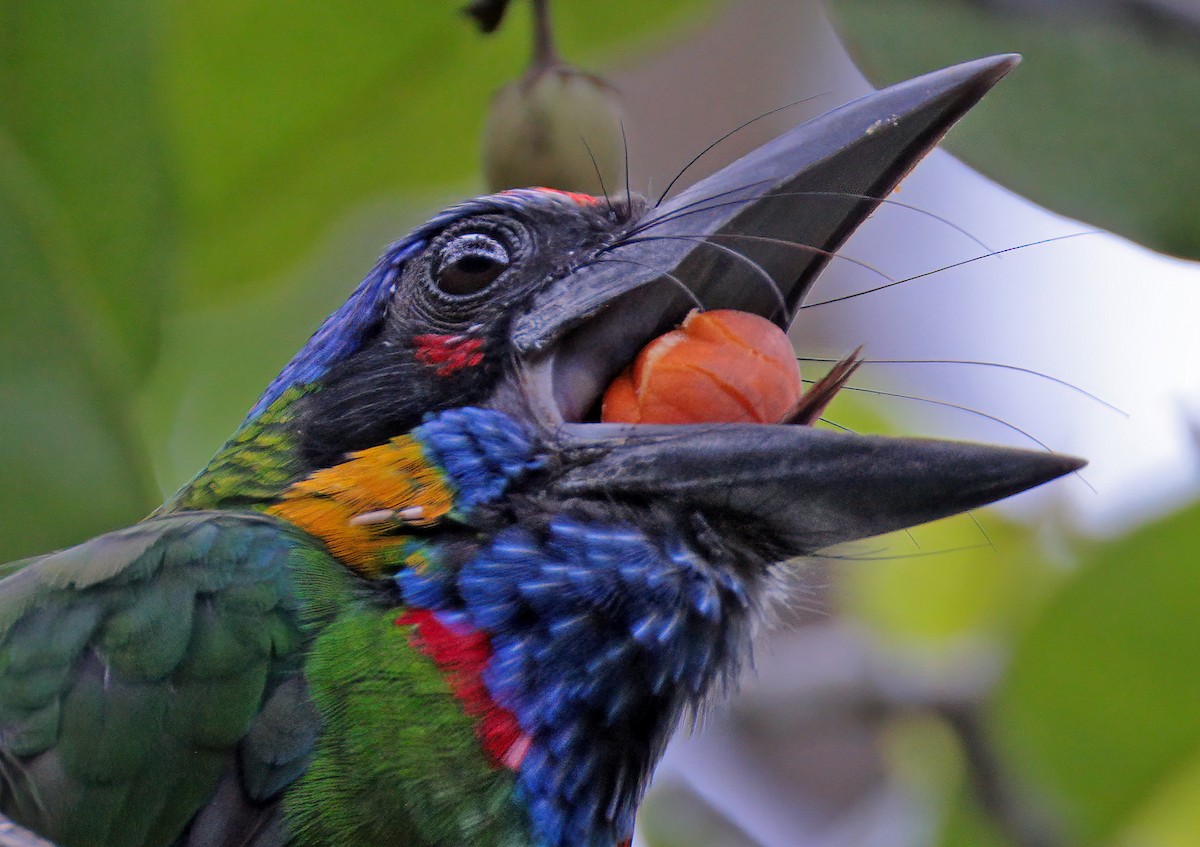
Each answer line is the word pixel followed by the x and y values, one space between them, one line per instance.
pixel 544 53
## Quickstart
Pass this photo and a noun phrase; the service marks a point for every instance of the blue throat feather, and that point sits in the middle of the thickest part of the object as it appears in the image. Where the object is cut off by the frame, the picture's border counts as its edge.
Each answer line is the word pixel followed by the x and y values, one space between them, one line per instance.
pixel 602 636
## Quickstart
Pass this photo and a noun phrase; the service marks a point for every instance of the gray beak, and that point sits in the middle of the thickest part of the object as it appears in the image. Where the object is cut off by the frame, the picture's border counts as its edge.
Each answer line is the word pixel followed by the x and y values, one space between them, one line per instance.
pixel 808 487
pixel 753 237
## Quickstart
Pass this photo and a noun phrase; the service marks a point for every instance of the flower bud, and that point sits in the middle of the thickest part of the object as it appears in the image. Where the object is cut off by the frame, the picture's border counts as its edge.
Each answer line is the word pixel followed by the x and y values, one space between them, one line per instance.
pixel 541 127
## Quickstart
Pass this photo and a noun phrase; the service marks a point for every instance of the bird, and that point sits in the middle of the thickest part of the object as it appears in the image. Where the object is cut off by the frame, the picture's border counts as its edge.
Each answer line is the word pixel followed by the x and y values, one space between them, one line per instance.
pixel 423 596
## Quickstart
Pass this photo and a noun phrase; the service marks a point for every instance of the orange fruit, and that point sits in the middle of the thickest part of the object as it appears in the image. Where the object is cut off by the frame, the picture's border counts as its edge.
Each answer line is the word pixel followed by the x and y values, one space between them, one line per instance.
pixel 721 366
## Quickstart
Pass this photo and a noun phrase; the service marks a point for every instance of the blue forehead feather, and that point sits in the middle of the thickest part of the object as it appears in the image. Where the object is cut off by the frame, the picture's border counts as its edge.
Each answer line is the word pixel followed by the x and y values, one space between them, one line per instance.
pixel 342 333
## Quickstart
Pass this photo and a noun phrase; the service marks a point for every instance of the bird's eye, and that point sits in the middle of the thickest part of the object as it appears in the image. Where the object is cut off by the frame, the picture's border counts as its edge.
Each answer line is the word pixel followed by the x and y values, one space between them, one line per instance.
pixel 470 263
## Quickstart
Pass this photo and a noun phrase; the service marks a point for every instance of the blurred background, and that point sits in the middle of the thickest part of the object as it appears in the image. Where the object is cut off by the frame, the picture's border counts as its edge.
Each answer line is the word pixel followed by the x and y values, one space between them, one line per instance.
pixel 186 189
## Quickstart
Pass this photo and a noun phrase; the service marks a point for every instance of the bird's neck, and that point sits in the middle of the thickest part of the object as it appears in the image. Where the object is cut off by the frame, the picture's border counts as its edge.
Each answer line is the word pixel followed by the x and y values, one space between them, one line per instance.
pixel 370 509
pixel 253 468
pixel 364 509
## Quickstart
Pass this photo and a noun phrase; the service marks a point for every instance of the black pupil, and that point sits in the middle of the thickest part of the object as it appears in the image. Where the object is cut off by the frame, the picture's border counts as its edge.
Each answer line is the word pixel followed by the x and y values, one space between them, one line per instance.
pixel 475 264
pixel 470 264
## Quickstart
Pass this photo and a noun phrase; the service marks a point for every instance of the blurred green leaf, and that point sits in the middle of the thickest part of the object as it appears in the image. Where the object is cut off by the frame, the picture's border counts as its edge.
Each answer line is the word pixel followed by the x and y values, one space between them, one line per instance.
pixel 954 578
pixel 1172 817
pixel 1099 123
pixel 80 127
pixel 73 466
pixel 925 755
pixel 1102 703
pixel 677 817
pixel 286 114
pixel 965 824
pixel 172 163
pixel 85 226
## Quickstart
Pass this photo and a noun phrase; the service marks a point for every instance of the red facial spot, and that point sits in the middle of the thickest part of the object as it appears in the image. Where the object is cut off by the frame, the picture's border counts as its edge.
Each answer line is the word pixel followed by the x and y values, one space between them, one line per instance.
pixel 462 655
pixel 449 353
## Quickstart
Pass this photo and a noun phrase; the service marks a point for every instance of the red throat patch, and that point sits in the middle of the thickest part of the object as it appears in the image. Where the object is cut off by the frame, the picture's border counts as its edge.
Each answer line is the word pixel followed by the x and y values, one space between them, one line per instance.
pixel 462 655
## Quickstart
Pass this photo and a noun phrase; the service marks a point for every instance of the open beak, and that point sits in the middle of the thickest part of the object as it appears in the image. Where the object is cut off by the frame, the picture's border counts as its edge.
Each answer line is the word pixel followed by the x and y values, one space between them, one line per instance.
pixel 753 237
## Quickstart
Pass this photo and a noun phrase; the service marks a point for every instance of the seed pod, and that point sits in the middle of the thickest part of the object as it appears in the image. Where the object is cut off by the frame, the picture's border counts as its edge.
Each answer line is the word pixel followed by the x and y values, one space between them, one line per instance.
pixel 541 127
pixel 721 366
pixel 487 13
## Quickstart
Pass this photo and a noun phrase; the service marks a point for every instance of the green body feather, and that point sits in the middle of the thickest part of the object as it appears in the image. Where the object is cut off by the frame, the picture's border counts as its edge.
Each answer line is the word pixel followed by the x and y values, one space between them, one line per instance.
pixel 398 763
pixel 253 682
pixel 251 469
pixel 132 666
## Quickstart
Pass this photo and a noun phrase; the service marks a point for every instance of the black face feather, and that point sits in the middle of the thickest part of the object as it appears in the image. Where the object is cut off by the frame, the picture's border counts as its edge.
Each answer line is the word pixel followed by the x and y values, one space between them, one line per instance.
pixel 443 337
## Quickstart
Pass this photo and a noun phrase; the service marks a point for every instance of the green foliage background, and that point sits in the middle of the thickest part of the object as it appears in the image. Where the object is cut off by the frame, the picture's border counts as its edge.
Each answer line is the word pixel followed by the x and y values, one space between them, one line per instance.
pixel 1098 711
pixel 187 188
pixel 1096 123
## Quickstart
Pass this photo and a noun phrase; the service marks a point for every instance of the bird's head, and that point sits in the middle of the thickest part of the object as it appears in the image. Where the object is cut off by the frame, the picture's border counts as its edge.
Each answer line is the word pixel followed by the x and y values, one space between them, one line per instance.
pixel 530 302
pixel 433 327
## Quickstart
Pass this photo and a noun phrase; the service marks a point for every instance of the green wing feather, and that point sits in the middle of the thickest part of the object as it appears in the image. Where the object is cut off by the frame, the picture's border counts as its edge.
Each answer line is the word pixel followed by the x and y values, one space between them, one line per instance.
pixel 138 667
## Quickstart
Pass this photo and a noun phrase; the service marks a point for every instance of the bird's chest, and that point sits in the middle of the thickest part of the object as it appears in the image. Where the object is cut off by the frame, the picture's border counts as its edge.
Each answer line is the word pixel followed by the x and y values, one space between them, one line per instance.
pixel 579 645
pixel 520 699
pixel 525 685
pixel 398 760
